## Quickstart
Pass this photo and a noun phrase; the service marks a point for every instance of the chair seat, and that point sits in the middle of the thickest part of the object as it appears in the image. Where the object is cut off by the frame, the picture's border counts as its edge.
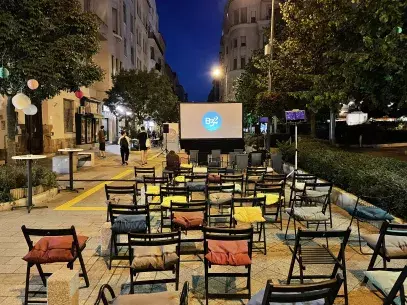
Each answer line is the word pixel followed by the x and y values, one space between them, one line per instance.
pixel 196 186
pixel 200 170
pixel 316 255
pixel 248 215
pixel 385 280
pixel 188 220
pixel 254 178
pixel 308 213
pixel 153 258
pixel 124 224
pixel 181 179
pixel 214 178
pixel 369 213
pixel 271 199
pixel 230 252
pixel 54 249
pixel 257 299
pixel 168 298
pixel 186 165
pixel 220 198
pixel 166 202
pixel 396 246
pixel 153 190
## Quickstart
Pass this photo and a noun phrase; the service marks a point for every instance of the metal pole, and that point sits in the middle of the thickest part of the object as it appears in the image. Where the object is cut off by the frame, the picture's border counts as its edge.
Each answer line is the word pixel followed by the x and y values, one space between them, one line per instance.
pixel 270 65
pixel 226 85
pixel 296 148
pixel 29 185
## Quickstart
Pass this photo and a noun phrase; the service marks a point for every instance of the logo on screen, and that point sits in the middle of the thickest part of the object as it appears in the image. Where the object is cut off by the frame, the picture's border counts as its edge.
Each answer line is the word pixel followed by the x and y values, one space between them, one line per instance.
pixel 212 121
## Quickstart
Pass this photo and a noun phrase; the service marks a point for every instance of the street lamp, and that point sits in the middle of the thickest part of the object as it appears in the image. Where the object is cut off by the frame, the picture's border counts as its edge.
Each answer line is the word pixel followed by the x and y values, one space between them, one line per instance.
pixel 217 74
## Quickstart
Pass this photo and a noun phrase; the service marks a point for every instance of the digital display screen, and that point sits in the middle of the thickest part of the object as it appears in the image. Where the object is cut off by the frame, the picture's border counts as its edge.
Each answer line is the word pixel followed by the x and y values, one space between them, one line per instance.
pixel 295 116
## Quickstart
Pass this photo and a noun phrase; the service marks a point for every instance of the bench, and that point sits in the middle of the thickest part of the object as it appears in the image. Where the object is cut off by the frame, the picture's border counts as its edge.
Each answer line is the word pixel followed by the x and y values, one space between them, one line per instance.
pixel 86 158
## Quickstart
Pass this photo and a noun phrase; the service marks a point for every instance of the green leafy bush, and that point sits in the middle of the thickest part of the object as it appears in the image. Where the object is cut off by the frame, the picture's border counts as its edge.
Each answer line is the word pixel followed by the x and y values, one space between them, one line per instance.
pixel 15 176
pixel 360 174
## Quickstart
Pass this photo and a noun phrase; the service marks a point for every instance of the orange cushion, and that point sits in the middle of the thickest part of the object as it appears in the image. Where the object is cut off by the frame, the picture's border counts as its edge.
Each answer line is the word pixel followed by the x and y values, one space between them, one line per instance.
pixel 54 249
pixel 228 252
pixel 187 220
pixel 214 178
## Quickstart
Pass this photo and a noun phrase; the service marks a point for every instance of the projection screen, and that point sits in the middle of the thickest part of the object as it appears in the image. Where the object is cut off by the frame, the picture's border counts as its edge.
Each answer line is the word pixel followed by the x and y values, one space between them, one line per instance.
pixel 211 120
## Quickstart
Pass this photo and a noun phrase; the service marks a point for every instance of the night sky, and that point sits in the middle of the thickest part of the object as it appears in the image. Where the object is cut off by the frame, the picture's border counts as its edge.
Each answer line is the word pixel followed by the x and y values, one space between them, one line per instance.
pixel 192 30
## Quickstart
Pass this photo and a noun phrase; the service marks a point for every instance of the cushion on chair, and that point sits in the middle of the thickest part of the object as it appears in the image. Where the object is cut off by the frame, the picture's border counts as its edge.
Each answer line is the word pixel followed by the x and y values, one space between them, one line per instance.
pixel 181 179
pixel 196 186
pixel 214 178
pixel 153 258
pixel 368 213
pixel 188 220
pixel 186 165
pixel 271 199
pixel 248 214
pixel 129 224
pixel 54 249
pixel 112 201
pixel 257 299
pixel 238 187
pixel 220 198
pixel 309 213
pixel 167 298
pixel 124 198
pixel 166 203
pixel 255 178
pixel 385 280
pixel 153 190
pixel 200 170
pixel 228 252
pixel 299 186
pixel 396 246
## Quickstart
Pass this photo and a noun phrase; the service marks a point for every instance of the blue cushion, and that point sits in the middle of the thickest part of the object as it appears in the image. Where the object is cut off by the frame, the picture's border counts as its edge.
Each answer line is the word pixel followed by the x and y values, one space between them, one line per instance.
pixel 196 186
pixel 129 224
pixel 368 213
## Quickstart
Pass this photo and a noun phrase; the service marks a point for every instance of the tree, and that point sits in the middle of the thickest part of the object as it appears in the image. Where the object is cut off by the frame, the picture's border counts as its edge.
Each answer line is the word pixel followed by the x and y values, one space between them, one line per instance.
pixel 145 94
pixel 52 41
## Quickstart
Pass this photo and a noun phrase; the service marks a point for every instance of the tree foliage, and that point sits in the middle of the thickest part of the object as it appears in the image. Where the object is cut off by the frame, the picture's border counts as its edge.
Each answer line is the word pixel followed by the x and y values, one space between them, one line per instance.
pixel 145 94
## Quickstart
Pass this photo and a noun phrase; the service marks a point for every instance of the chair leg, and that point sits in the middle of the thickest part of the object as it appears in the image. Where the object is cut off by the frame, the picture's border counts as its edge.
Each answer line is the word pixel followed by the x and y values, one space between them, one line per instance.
pixel 301 270
pixel 206 284
pixel 131 282
pixel 83 267
pixel 111 251
pixel 288 224
pixel 27 284
pixel 263 227
pixel 345 283
pixel 249 281
pixel 177 276
pixel 41 272
pixel 290 272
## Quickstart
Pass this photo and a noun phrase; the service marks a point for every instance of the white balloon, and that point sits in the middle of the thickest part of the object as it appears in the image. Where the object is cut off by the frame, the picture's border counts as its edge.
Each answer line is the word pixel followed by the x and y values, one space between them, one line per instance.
pixel 30 110
pixel 21 101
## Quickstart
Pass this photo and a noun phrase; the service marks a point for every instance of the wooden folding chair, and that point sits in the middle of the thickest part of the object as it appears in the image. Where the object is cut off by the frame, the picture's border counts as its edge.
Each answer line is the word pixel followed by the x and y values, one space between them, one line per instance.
pixel 169 193
pixel 152 191
pixel 67 248
pixel 140 172
pixel 220 197
pixel 118 191
pixel 274 198
pixel 236 180
pixel 253 175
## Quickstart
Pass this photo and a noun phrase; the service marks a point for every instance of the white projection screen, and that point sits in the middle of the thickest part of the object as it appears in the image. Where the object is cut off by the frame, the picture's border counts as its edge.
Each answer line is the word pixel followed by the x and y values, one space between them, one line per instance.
pixel 211 121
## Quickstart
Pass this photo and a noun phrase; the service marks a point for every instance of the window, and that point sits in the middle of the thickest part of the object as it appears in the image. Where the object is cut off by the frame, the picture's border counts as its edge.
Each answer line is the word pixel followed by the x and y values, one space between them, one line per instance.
pixel 87 6
pixel 243 41
pixel 243 15
pixel 124 12
pixel 125 46
pixel 115 21
pixel 113 66
pixel 152 55
pixel 117 65
pixel 242 62
pixel 68 115
pixel 132 55
pixel 139 38
pixel 253 17
pixel 235 64
pixel 236 17
pixel 235 43
pixel 227 50
pixel 132 23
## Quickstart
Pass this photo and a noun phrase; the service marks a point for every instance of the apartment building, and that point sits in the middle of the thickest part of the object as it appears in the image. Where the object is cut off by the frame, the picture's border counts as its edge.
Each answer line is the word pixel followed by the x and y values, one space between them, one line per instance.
pixel 243 32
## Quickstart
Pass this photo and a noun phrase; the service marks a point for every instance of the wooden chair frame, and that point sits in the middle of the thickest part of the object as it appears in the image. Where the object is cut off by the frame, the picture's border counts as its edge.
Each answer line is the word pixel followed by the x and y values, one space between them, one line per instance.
pixel 170 190
pixel 114 211
pixel 269 210
pixel 121 190
pixel 253 172
pixel 143 171
pixel 153 181
pixel 221 206
pixel 235 179
pixel 48 233
pixel 155 239
pixel 302 178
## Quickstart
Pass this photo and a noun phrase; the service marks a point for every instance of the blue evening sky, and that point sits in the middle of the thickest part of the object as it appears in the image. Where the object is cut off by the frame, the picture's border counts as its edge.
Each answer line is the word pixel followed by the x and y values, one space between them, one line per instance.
pixel 192 30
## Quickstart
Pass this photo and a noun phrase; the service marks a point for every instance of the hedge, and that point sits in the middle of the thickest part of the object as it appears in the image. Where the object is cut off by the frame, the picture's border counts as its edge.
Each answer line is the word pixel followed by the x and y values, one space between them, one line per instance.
pixel 15 176
pixel 360 174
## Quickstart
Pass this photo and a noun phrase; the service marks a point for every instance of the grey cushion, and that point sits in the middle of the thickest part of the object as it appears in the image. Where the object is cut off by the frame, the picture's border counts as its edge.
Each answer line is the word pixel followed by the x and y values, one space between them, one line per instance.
pixel 196 186
pixel 309 213
pixel 257 299
pixel 396 246
pixel 220 198
pixel 129 224
pixel 385 281
pixel 168 298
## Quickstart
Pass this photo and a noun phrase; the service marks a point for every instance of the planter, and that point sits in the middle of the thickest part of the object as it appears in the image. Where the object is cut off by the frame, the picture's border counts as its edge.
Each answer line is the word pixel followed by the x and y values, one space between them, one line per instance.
pixel 38 200
pixel 23 192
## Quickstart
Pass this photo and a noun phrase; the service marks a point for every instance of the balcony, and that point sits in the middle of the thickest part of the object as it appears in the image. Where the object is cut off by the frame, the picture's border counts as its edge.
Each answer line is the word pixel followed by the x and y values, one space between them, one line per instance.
pixel 159 40
pixel 99 8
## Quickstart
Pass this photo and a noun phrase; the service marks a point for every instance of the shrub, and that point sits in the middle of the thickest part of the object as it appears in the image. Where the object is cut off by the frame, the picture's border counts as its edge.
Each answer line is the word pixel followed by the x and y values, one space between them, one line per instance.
pixel 15 176
pixel 360 174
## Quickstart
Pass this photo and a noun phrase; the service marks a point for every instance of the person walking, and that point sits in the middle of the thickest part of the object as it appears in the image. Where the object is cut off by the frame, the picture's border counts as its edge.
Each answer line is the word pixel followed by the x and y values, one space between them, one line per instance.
pixel 124 142
pixel 102 142
pixel 142 140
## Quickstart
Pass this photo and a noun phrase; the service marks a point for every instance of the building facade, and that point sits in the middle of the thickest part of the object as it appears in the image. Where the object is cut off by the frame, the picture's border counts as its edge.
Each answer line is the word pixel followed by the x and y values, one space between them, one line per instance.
pixel 244 26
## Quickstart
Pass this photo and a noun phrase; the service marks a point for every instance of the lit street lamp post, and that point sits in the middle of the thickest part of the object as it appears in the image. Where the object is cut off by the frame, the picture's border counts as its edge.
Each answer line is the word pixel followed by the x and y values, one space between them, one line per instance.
pixel 217 74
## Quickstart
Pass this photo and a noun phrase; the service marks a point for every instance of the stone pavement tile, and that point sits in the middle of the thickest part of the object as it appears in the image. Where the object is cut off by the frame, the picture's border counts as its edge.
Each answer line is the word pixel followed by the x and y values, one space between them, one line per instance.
pixel 12 301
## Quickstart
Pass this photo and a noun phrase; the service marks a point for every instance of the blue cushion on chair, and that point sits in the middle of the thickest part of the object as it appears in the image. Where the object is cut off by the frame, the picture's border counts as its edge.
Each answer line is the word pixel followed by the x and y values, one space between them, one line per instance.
pixel 196 186
pixel 130 224
pixel 368 213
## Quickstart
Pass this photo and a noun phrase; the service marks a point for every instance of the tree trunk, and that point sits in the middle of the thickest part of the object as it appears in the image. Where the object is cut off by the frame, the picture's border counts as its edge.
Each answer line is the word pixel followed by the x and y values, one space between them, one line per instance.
pixel 313 123
pixel 11 130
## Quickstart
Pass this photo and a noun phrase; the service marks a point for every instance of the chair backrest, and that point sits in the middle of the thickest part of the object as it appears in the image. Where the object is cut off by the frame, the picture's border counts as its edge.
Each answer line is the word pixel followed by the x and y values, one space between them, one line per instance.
pixel 266 188
pixel 235 179
pixel 256 159
pixel 193 156
pixel 115 210
pixel 154 180
pixel 390 229
pixel 232 159
pixel 171 190
pixel 130 190
pixel 144 171
pixel 183 171
pixel 238 150
pixel 256 171
pixel 230 188
pixel 198 177
pixel 281 294
pixel 304 178
pixel 190 207
pixel 216 154
pixel 217 170
pixel 324 188
pixel 274 179
pixel 277 162
pixel 249 202
pixel 242 161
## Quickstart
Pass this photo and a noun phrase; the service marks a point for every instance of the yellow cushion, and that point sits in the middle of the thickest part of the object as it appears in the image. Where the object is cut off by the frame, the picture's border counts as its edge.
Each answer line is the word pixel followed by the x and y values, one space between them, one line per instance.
pixel 166 203
pixel 248 214
pixel 155 199
pixel 271 199
pixel 186 165
pixel 181 179
pixel 153 190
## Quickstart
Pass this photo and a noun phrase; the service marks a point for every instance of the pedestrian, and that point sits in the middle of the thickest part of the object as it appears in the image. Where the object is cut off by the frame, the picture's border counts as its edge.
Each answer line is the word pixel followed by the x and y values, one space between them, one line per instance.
pixel 142 139
pixel 102 142
pixel 124 143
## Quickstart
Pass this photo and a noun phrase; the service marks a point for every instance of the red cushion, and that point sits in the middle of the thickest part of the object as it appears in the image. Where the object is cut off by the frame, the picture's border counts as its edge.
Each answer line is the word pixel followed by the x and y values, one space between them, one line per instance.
pixel 230 252
pixel 187 220
pixel 54 249
pixel 214 178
